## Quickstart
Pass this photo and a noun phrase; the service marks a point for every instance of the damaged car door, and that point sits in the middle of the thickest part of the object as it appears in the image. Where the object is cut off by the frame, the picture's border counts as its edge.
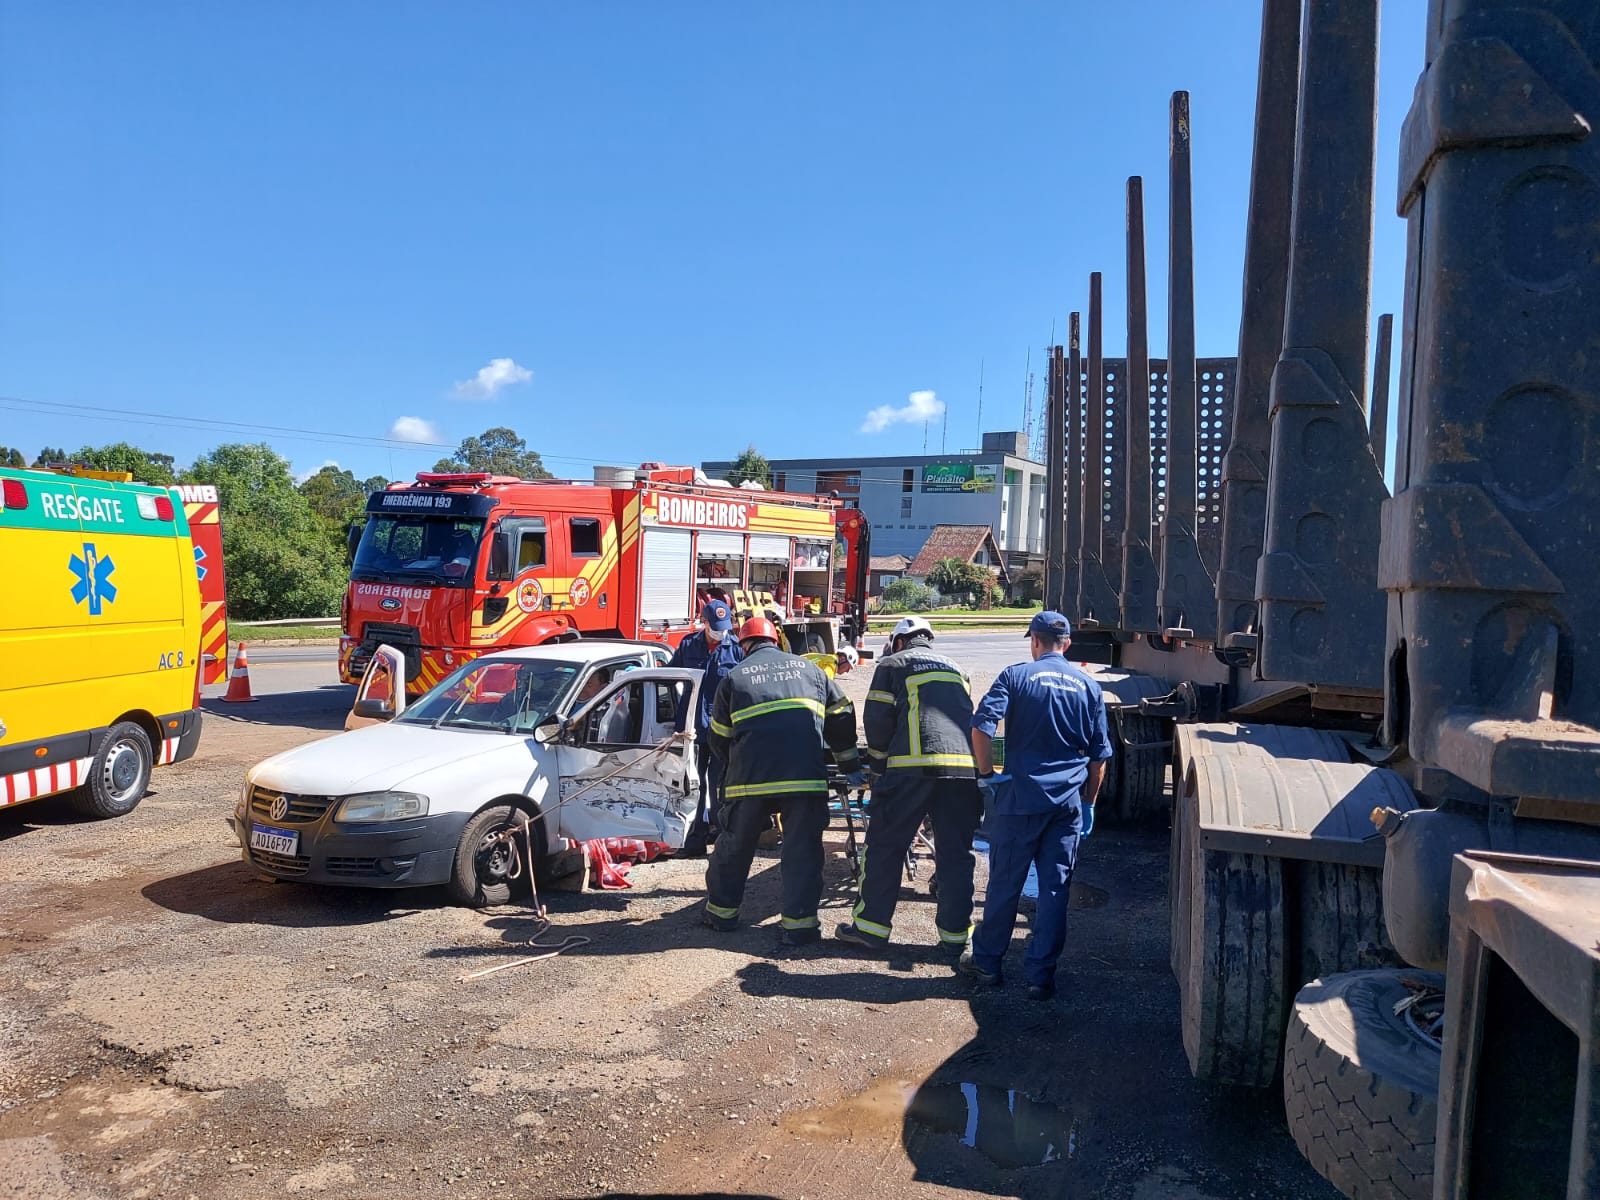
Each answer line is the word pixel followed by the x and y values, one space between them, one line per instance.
pixel 627 763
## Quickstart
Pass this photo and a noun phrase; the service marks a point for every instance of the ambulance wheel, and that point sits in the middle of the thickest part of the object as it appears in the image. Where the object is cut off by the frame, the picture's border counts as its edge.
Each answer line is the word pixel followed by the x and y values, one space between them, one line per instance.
pixel 119 774
pixel 488 870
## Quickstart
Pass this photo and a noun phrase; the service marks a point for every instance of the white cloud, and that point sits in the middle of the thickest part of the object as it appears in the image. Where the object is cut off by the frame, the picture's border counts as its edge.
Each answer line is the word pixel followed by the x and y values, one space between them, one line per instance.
pixel 490 380
pixel 919 406
pixel 302 476
pixel 415 429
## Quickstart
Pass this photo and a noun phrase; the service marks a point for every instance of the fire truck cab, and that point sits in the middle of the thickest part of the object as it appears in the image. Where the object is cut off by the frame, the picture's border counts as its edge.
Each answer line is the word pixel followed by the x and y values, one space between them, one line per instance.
pixel 456 565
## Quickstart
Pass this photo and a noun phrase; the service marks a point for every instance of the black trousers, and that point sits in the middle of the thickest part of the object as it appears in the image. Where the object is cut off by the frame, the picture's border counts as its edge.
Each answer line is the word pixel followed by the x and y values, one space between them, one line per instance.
pixel 707 823
pixel 900 802
pixel 805 816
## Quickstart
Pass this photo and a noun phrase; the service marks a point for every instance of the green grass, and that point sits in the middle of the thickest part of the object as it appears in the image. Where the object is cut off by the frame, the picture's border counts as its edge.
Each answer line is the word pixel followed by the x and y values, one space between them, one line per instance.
pixel 239 631
pixel 1002 615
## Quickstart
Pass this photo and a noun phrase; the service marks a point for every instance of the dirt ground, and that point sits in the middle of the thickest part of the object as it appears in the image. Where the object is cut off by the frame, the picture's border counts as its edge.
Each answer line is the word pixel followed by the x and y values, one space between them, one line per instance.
pixel 171 1025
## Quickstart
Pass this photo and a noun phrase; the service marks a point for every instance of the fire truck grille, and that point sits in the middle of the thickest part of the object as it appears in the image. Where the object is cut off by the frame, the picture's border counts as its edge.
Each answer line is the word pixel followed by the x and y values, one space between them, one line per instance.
pixel 302 809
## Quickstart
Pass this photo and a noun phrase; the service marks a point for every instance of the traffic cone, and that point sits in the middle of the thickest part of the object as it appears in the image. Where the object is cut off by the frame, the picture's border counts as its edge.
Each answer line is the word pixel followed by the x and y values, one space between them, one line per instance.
pixel 239 680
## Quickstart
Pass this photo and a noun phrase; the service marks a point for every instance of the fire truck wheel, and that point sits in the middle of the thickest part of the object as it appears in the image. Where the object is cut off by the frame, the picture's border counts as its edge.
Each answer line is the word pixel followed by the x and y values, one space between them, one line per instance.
pixel 1361 1081
pixel 815 644
pixel 490 870
pixel 119 774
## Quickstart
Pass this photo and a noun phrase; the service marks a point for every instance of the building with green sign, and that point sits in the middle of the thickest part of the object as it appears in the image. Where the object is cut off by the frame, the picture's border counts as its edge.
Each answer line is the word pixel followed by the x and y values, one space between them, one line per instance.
pixel 904 497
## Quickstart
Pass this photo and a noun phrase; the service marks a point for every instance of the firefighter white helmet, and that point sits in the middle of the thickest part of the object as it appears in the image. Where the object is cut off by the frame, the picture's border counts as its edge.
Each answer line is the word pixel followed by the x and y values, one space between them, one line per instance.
pixel 909 626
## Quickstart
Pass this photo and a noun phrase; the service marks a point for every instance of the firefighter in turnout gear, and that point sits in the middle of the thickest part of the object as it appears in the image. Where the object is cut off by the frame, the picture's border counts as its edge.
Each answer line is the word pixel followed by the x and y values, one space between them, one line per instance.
pixel 917 717
pixel 774 719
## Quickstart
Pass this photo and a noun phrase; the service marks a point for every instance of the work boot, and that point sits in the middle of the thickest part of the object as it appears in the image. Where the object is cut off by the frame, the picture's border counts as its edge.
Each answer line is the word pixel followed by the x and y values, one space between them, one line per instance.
pixel 802 937
pixel 968 967
pixel 1041 991
pixel 721 924
pixel 853 936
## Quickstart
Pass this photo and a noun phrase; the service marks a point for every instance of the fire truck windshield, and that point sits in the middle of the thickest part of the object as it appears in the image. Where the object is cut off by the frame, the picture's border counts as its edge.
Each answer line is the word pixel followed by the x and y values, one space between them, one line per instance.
pixel 408 548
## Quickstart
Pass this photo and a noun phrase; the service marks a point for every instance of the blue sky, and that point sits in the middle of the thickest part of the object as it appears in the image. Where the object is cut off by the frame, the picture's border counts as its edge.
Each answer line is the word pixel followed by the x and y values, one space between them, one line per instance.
pixel 688 227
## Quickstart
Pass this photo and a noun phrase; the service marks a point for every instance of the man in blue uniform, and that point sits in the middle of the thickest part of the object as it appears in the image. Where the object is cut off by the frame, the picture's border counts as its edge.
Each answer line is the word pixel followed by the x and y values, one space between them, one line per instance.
pixel 1043 805
pixel 713 651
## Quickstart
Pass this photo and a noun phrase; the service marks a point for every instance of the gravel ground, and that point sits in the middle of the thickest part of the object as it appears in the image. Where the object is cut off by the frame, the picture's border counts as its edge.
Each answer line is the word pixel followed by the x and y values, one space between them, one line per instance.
pixel 170 1025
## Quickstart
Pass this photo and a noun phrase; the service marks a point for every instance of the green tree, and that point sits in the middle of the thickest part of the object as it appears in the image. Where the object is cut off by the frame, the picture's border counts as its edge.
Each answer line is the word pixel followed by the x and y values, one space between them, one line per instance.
pixel 751 465
pixel 280 561
pixel 10 456
pixel 500 452
pixel 50 454
pixel 907 595
pixel 336 496
pixel 956 578
pixel 144 465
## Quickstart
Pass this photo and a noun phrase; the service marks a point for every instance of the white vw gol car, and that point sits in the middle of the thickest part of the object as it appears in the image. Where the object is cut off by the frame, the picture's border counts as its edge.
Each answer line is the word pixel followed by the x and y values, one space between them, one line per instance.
pixel 561 743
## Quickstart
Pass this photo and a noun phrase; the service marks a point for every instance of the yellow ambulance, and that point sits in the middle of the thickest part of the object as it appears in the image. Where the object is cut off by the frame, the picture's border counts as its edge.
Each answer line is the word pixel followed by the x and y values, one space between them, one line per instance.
pixel 100 623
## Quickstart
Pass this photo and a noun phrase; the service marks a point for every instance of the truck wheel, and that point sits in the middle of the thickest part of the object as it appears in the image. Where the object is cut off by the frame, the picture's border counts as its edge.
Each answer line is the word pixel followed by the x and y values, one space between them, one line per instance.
pixel 1143 779
pixel 485 866
pixel 1361 1083
pixel 119 774
pixel 1234 987
pixel 815 644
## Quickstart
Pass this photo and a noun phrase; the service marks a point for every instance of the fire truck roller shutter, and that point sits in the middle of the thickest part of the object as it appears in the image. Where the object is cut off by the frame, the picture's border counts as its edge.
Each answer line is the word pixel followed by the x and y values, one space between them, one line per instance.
pixel 666 564
pixel 721 545
pixel 768 548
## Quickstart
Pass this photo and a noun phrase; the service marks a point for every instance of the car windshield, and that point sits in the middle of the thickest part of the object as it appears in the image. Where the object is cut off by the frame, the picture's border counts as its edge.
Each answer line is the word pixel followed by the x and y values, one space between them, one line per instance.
pixel 409 548
pixel 506 694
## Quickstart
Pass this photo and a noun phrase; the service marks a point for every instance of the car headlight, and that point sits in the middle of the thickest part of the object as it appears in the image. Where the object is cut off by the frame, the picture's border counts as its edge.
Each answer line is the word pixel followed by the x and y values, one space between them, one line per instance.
pixel 381 806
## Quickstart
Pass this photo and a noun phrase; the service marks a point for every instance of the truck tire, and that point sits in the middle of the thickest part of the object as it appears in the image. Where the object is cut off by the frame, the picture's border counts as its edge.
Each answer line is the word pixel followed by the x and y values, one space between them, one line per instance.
pixel 1142 782
pixel 482 873
pixel 1360 1088
pixel 119 774
pixel 1234 987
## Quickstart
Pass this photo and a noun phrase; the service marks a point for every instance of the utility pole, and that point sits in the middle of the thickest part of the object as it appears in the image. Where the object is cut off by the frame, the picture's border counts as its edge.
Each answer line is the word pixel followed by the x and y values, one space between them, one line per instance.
pixel 980 403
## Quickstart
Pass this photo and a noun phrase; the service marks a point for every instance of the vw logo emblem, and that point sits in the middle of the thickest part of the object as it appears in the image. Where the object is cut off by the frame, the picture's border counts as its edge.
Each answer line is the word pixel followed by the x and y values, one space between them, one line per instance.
pixel 389 604
pixel 280 808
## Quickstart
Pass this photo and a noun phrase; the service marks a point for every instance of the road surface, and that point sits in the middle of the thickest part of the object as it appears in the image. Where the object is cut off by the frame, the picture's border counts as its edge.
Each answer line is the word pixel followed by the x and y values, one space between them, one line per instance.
pixel 171 1025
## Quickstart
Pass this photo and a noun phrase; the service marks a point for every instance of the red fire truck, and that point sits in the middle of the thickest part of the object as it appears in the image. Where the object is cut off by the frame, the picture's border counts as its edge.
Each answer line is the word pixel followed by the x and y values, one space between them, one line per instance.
pixel 457 565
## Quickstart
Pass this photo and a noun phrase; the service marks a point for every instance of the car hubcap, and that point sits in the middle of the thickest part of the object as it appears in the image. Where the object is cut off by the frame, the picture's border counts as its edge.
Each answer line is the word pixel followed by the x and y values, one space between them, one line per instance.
pixel 122 770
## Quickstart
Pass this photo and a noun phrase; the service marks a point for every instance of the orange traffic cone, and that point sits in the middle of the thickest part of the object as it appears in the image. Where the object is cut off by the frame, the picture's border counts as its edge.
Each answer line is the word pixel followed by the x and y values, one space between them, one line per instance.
pixel 239 680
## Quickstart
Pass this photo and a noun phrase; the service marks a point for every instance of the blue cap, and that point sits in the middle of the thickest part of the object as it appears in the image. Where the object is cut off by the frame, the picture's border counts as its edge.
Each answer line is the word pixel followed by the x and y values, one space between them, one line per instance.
pixel 717 615
pixel 1049 624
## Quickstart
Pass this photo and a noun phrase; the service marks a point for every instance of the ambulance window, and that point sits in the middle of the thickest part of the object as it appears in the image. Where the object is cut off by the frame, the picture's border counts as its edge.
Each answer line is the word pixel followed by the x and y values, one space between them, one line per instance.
pixel 585 535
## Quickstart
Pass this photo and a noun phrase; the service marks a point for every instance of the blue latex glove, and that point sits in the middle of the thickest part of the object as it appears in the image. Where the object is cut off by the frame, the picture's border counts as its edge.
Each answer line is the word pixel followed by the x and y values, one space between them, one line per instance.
pixel 857 778
pixel 1088 821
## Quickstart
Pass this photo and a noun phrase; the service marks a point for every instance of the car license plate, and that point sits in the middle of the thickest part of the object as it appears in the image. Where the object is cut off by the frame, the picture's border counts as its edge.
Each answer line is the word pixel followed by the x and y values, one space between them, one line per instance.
pixel 277 841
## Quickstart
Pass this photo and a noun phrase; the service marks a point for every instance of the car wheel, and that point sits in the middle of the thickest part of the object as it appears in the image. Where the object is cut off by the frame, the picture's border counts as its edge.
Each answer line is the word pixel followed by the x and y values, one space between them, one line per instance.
pixel 489 870
pixel 119 774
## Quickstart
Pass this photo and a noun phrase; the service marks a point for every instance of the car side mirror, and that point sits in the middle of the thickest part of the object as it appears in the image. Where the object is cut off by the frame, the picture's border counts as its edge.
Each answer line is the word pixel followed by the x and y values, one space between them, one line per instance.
pixel 352 541
pixel 548 732
pixel 373 710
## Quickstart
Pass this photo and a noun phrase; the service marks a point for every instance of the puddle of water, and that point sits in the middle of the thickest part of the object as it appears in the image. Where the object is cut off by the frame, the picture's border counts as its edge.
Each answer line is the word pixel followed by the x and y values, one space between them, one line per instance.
pixel 1008 1127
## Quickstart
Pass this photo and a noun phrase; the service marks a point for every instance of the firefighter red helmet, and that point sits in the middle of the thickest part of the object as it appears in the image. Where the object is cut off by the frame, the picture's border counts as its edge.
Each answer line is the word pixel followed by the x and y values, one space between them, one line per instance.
pixel 758 627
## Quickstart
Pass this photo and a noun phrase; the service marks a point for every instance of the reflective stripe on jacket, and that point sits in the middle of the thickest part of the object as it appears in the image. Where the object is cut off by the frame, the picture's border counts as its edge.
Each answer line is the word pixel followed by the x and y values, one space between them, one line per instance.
pixel 774 717
pixel 918 715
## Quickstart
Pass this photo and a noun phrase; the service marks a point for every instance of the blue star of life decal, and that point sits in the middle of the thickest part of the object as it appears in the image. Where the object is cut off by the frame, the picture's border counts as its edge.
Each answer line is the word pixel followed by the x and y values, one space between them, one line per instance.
pixel 94 579
pixel 199 561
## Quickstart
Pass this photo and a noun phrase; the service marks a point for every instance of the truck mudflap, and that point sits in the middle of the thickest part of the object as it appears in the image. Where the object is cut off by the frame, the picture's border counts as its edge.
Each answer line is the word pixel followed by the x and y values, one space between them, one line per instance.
pixel 1277 879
